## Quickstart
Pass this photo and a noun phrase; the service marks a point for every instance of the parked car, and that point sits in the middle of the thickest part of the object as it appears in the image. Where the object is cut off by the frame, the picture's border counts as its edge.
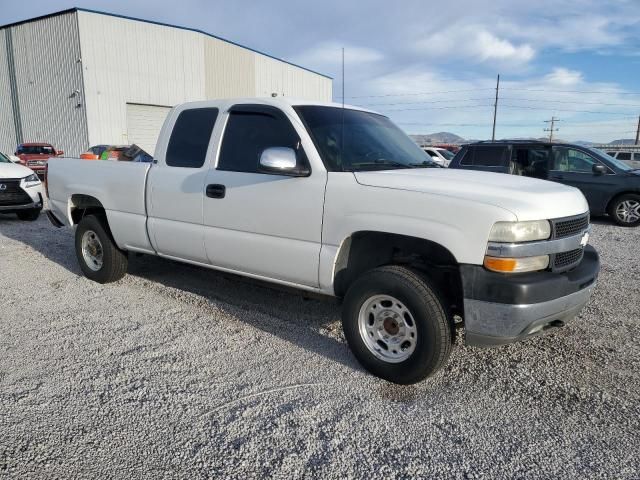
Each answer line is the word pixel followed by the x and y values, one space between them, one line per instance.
pixel 35 155
pixel 266 188
pixel 611 186
pixel 441 156
pixel 631 158
pixel 20 190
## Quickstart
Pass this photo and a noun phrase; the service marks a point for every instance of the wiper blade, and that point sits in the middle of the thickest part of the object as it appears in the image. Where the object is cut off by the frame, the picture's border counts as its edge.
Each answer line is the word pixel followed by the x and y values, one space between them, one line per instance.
pixel 426 165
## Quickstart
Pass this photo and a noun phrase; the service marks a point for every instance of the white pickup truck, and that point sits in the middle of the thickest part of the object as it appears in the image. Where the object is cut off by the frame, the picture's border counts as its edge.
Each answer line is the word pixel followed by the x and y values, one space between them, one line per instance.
pixel 340 202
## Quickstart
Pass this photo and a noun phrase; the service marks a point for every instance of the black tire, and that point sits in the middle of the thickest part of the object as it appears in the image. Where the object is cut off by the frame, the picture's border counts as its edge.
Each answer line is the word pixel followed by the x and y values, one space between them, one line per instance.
pixel 617 203
pixel 114 261
pixel 30 215
pixel 434 339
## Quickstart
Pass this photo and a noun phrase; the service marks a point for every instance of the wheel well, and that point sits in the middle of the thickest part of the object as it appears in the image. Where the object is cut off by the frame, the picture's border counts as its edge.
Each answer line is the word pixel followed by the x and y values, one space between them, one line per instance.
pixel 364 251
pixel 83 205
pixel 617 196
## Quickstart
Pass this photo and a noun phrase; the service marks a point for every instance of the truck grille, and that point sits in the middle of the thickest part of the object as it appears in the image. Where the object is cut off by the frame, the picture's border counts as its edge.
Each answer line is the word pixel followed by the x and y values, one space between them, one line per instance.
pixel 566 260
pixel 567 227
pixel 11 194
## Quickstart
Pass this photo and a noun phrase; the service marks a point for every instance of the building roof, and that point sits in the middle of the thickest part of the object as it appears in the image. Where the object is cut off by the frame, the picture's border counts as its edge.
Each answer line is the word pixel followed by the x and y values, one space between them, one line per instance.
pixel 78 9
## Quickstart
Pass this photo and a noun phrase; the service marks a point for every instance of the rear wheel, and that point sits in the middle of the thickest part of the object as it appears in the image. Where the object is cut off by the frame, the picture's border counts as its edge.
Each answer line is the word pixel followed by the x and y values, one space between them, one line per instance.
pixel 99 257
pixel 396 325
pixel 29 215
pixel 625 210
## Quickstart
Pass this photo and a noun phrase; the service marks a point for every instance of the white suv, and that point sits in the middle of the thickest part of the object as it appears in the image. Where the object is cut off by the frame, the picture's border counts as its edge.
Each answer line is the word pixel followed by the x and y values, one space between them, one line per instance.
pixel 441 156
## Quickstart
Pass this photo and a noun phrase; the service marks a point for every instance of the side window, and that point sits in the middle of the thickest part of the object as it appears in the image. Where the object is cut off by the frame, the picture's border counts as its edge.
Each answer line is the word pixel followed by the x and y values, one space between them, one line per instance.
pixel 530 162
pixel 467 156
pixel 432 154
pixel 624 156
pixel 570 160
pixel 249 133
pixel 489 156
pixel 190 137
pixel 636 156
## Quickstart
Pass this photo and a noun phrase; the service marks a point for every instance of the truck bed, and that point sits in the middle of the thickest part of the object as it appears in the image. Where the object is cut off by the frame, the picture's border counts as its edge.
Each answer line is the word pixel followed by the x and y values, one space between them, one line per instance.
pixel 118 186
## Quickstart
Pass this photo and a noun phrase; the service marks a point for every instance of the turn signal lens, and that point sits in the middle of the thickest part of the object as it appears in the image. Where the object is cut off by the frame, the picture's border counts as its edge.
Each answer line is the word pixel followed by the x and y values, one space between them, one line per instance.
pixel 516 265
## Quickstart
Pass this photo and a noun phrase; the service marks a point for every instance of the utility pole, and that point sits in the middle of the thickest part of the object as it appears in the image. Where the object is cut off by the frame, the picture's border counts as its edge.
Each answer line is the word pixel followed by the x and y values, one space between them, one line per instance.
pixel 495 110
pixel 638 133
pixel 551 129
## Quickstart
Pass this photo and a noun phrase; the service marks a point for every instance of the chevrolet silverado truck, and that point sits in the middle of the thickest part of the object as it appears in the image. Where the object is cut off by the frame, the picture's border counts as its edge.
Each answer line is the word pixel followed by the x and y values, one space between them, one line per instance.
pixel 339 201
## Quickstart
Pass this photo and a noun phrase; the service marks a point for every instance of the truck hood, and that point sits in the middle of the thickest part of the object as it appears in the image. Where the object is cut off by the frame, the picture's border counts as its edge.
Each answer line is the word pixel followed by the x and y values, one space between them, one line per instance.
pixel 527 198
pixel 14 170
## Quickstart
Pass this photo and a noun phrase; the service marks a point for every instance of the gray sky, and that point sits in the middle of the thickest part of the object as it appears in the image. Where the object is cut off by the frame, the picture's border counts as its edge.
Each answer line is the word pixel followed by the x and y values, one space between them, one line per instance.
pixel 431 66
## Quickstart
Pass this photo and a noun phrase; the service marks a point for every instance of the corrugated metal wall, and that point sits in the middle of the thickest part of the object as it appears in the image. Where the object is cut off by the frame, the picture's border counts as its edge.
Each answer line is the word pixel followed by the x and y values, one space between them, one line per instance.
pixel 128 61
pixel 45 57
pixel 230 70
pixel 273 76
pixel 8 139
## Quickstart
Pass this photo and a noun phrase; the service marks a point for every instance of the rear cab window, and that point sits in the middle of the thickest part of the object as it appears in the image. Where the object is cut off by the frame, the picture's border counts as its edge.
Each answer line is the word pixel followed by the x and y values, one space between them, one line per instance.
pixel 190 138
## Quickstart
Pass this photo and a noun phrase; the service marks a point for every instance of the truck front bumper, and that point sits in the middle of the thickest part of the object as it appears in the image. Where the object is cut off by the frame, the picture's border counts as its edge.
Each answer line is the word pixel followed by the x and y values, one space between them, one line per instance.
pixel 502 308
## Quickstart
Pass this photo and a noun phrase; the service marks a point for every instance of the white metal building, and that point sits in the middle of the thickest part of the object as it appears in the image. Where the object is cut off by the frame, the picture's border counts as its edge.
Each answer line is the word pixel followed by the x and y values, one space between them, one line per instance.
pixel 78 78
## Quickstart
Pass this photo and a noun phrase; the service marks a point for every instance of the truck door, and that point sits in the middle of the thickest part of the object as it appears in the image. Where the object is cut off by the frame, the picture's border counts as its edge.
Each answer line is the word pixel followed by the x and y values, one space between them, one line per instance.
pixel 175 187
pixel 258 223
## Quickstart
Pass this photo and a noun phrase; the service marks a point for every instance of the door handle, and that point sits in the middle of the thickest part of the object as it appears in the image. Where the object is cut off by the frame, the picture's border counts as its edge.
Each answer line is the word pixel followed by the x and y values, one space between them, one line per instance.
pixel 215 190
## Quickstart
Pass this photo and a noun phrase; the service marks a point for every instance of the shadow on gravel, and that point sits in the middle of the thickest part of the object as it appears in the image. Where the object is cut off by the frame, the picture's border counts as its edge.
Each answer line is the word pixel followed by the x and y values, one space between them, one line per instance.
pixel 56 244
pixel 306 320
pixel 310 322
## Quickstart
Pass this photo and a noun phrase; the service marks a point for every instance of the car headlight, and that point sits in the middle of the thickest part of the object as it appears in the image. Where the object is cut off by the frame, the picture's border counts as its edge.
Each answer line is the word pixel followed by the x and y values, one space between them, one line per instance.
pixel 31 181
pixel 513 232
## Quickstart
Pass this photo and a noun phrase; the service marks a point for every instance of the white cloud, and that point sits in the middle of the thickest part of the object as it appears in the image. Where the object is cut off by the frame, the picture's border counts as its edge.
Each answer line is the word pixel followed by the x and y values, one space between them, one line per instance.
pixel 328 55
pixel 475 43
pixel 564 77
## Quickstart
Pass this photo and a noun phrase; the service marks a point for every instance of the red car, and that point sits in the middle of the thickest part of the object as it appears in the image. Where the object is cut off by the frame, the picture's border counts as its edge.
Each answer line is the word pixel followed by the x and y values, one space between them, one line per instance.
pixel 35 155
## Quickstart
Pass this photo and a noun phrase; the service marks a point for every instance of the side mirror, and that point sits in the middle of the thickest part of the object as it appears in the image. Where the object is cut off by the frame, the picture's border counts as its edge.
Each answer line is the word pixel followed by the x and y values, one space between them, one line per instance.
pixel 282 161
pixel 599 169
pixel 59 153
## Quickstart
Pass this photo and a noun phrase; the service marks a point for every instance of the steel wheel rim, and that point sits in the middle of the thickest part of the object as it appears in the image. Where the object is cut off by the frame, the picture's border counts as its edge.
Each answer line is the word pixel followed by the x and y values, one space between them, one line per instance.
pixel 387 328
pixel 92 251
pixel 628 211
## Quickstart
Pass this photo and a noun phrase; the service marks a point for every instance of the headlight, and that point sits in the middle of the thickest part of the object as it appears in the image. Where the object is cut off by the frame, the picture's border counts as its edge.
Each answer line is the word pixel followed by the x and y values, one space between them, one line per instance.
pixel 513 232
pixel 516 265
pixel 31 181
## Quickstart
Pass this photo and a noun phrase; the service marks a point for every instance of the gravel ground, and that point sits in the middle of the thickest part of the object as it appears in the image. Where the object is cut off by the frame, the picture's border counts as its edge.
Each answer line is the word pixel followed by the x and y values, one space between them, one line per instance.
pixel 180 372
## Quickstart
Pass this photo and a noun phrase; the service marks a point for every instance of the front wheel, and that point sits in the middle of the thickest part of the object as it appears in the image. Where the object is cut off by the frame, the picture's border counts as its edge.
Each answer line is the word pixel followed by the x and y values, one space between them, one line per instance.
pixel 626 210
pixel 396 325
pixel 99 257
pixel 29 215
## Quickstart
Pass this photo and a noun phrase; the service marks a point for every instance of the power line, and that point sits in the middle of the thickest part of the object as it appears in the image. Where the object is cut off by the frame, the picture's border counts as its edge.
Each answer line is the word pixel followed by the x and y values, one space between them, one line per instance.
pixel 421 93
pixel 611 92
pixel 495 110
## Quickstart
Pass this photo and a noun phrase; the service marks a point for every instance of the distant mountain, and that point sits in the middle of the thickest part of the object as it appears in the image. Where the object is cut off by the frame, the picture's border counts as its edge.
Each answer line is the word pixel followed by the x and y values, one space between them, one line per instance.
pixel 585 143
pixel 623 141
pixel 440 137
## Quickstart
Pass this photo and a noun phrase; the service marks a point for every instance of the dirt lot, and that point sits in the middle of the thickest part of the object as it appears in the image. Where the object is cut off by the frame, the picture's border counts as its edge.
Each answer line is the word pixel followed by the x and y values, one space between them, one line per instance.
pixel 179 372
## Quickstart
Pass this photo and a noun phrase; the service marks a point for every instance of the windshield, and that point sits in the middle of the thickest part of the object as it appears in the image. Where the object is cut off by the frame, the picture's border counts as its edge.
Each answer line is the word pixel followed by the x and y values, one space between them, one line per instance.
pixel 446 153
pixel 608 158
pixel 4 159
pixel 35 150
pixel 371 141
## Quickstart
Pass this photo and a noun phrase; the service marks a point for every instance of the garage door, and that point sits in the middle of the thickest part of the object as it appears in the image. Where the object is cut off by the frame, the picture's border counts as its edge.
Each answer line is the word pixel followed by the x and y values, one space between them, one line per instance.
pixel 144 123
